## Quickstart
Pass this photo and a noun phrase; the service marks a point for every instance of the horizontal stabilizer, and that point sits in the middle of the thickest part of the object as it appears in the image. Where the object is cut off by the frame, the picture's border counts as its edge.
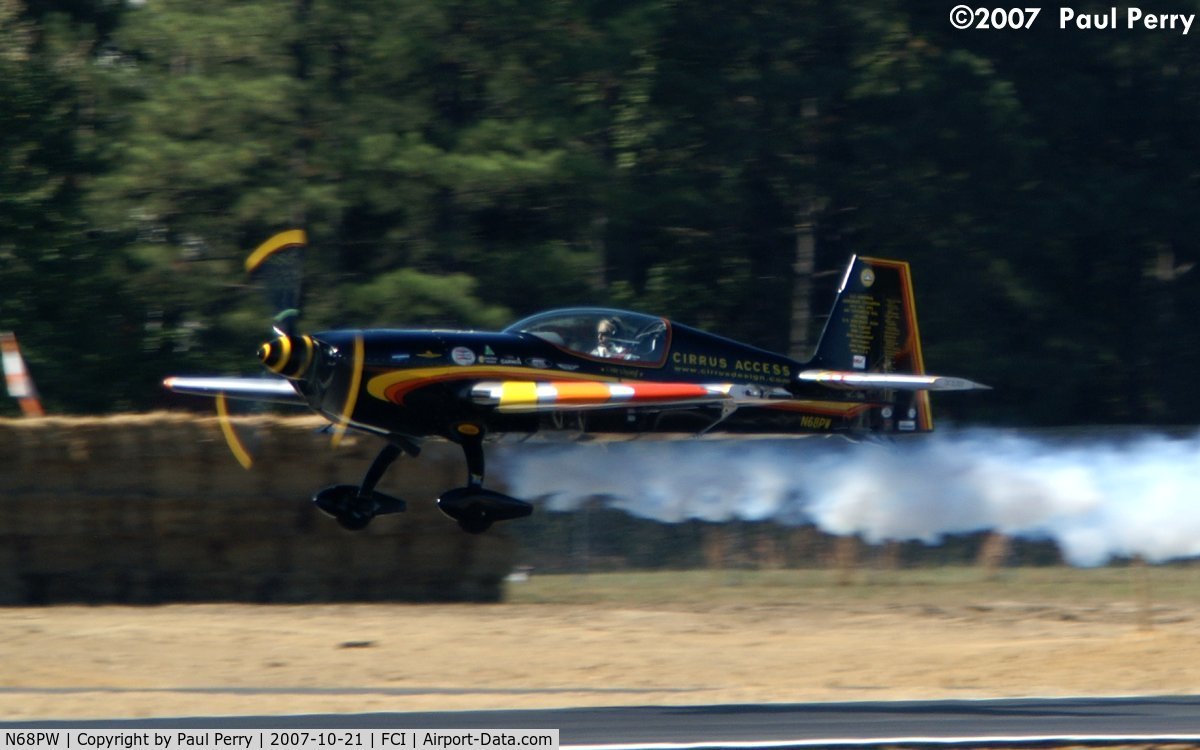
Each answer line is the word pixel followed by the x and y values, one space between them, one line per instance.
pixel 885 380
pixel 274 390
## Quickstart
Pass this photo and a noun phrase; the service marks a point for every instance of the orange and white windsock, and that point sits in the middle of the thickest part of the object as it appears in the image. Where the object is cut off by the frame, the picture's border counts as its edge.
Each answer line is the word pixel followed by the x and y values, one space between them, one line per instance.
pixel 20 385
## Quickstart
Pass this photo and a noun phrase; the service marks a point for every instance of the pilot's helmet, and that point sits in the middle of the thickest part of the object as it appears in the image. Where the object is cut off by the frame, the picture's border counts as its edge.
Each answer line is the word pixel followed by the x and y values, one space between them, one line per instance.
pixel 606 328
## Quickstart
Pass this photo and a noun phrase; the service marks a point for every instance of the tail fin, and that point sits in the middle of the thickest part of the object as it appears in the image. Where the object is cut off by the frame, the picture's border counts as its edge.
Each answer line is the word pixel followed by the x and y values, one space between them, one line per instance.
pixel 873 324
pixel 871 344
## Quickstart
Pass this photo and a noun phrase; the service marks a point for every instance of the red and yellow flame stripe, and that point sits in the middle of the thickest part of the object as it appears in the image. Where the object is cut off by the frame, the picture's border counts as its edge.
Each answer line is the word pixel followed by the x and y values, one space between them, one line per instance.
pixel 533 396
pixel 395 385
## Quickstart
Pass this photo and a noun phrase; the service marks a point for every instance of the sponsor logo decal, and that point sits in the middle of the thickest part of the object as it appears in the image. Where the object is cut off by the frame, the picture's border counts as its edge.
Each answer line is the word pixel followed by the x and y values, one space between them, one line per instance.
pixel 538 362
pixel 689 359
pixel 707 364
pixel 461 355
pixel 511 361
pixel 860 362
pixel 429 354
pixel 867 277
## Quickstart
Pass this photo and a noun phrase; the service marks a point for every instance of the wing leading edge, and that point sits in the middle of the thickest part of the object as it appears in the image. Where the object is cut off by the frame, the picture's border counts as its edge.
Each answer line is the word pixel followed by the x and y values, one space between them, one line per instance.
pixel 273 390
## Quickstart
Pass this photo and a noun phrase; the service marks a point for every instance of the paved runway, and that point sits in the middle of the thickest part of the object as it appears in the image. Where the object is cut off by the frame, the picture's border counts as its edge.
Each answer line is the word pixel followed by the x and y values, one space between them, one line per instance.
pixel 1175 718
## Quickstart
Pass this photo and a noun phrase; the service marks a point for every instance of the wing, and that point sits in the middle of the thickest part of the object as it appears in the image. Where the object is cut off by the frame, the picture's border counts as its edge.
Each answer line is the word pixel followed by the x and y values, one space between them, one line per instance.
pixel 274 390
pixel 511 396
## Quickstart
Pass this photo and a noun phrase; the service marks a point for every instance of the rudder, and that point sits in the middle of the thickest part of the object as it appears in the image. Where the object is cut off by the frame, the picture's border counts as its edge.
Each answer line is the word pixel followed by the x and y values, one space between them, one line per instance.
pixel 872 328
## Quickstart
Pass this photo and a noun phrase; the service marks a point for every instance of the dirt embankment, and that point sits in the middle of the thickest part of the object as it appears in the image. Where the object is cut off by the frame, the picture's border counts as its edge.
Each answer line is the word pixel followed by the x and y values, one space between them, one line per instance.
pixel 152 508
pixel 233 659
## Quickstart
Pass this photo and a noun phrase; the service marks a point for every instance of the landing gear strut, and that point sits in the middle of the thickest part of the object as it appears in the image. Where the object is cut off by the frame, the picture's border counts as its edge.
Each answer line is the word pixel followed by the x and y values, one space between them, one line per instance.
pixel 474 507
pixel 352 506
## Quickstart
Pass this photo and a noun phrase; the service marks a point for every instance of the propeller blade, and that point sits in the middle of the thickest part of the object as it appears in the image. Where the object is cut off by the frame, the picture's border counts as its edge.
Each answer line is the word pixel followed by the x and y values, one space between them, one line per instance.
pixel 279 263
pixel 231 437
pixel 339 431
pixel 275 244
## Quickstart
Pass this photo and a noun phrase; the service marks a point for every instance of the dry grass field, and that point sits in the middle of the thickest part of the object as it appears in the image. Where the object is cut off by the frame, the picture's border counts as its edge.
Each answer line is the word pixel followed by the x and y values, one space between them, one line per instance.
pixel 622 639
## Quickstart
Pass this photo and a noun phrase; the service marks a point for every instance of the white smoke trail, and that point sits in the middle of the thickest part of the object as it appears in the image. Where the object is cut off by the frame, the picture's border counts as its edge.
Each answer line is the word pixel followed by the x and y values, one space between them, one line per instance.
pixel 1097 498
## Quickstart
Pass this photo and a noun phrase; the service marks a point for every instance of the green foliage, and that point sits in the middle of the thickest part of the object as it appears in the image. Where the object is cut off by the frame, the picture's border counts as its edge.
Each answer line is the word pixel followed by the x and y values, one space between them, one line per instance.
pixel 409 298
pixel 58 284
pixel 467 162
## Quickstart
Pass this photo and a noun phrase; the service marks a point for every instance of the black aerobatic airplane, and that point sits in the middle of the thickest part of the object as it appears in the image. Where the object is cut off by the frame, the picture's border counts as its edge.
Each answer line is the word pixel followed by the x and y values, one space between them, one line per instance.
pixel 587 370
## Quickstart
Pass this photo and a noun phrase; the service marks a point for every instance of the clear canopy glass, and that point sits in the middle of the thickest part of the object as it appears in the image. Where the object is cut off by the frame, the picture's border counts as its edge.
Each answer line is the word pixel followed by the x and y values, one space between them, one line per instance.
pixel 601 333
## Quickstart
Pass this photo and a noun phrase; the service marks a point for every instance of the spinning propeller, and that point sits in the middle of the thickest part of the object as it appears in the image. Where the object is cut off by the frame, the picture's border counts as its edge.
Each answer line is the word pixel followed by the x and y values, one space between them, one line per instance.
pixel 278 265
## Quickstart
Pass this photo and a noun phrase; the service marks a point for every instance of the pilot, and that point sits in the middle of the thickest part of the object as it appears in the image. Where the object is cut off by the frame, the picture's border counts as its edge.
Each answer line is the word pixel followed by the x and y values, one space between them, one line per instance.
pixel 605 346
